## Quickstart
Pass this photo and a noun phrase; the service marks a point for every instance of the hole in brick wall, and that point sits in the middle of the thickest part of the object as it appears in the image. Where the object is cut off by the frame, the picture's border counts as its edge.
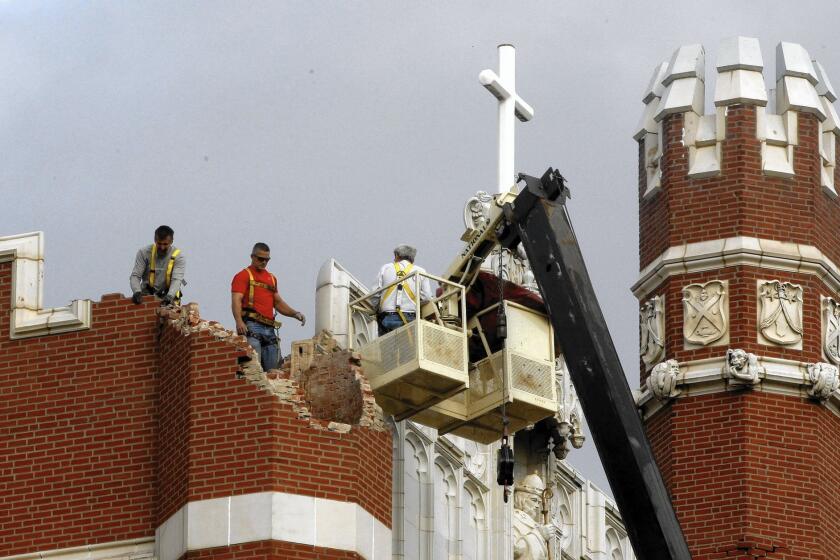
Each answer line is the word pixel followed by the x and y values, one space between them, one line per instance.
pixel 331 389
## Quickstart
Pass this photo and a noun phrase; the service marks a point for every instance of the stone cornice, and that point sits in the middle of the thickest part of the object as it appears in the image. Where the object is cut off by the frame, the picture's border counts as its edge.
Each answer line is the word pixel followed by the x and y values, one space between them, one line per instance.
pixel 28 316
pixel 707 376
pixel 131 549
pixel 737 251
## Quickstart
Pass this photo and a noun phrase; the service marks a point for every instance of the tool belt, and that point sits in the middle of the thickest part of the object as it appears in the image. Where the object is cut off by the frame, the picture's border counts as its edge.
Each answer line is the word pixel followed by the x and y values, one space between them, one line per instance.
pixel 249 313
pixel 265 339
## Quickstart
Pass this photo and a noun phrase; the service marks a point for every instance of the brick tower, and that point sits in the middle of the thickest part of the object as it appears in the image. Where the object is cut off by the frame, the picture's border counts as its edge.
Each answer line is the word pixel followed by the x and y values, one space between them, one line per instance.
pixel 738 291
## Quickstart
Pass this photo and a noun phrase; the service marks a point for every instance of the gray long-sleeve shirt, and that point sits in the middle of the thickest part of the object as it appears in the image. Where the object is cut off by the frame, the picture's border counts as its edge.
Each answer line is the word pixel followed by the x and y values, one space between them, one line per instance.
pixel 140 274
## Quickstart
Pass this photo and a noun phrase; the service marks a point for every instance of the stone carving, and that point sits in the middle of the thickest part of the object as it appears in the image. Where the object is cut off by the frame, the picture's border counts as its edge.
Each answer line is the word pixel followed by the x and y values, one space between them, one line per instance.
pixel 780 312
pixel 530 535
pixel 652 331
pixel 476 214
pixel 475 460
pixel 704 312
pixel 831 329
pixel 824 380
pixel 662 381
pixel 742 367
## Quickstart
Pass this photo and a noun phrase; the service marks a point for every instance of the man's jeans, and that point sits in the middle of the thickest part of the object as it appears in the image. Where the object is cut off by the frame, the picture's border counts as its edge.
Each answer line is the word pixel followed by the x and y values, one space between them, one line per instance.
pixel 263 339
pixel 391 321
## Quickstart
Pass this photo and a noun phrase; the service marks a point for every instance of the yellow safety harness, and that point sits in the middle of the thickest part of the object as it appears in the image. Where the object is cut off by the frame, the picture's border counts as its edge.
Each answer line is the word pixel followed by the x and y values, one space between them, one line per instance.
pixel 169 266
pixel 248 310
pixel 401 273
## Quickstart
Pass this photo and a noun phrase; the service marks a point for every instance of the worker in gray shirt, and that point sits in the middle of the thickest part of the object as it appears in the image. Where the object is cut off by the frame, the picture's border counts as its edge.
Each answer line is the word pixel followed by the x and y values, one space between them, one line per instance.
pixel 159 269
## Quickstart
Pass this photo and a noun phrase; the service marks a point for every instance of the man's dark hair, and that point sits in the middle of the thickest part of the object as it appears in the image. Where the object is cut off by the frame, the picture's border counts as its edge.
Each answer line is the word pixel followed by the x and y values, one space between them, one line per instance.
pixel 260 246
pixel 164 232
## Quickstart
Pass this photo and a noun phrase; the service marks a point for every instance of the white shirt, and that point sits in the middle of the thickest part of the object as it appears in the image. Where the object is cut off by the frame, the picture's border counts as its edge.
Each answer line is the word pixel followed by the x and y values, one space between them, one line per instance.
pixel 399 298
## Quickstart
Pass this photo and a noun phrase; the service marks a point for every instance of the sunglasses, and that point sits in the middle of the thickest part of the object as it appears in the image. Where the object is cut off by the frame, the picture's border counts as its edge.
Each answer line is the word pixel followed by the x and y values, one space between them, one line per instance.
pixel 262 259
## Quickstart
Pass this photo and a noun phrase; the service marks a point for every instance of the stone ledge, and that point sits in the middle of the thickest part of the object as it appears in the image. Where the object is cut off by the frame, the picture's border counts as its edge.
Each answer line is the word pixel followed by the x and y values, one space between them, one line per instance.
pixel 132 549
pixel 278 516
pixel 707 376
pixel 736 251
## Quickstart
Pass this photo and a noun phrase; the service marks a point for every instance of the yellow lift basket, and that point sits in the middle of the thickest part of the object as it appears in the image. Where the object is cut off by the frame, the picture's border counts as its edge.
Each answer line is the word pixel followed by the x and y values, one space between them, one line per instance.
pixel 520 375
pixel 423 362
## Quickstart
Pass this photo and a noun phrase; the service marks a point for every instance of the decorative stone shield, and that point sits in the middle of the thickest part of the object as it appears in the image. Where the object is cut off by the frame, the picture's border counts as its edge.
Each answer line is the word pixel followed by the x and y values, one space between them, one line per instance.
pixel 652 331
pixel 780 312
pixel 705 312
pixel 831 329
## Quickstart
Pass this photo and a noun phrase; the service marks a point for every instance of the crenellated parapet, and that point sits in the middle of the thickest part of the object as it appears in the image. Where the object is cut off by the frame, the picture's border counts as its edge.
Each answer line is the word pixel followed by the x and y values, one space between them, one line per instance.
pixel 678 87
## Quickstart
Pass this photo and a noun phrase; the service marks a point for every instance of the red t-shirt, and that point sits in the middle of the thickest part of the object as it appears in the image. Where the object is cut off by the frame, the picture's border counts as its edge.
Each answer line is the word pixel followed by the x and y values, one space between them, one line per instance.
pixel 263 299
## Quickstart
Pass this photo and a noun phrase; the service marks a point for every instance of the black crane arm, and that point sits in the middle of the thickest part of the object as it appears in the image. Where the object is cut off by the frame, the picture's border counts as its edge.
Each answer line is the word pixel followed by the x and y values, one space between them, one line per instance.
pixel 538 219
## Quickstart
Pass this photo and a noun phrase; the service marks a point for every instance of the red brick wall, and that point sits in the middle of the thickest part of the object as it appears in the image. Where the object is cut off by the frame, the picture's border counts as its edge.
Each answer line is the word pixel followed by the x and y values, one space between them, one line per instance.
pixel 77 429
pixel 272 550
pixel 105 433
pixel 243 439
pixel 751 474
pixel 752 471
pixel 741 200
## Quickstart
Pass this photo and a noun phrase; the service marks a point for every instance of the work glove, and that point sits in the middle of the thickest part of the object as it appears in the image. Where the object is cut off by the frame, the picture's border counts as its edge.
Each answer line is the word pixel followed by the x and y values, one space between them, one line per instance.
pixel 168 299
pixel 137 298
pixel 300 317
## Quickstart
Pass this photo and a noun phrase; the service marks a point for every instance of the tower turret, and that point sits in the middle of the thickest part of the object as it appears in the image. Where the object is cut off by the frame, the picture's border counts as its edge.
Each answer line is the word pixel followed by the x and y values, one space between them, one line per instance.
pixel 738 291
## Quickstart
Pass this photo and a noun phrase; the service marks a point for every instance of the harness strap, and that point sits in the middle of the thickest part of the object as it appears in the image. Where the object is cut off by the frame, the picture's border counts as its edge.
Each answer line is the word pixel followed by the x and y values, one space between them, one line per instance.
pixel 169 266
pixel 401 273
pixel 248 308
pixel 152 264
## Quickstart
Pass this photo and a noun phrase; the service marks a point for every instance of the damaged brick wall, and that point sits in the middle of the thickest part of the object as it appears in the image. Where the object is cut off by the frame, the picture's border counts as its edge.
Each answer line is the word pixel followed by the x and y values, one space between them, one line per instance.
pixel 106 432
pixel 258 434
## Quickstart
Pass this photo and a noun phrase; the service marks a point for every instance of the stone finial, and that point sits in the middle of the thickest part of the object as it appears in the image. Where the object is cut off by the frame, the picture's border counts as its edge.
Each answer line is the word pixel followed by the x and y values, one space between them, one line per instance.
pixel 655 87
pixel 653 93
pixel 739 53
pixel 684 82
pixel 739 67
pixel 742 367
pixel 793 60
pixel 687 61
pixel 795 81
pixel 824 87
pixel 662 381
pixel 824 380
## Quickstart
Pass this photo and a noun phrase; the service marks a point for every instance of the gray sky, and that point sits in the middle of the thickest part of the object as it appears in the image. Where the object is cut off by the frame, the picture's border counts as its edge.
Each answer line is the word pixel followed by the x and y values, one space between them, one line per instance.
pixel 332 129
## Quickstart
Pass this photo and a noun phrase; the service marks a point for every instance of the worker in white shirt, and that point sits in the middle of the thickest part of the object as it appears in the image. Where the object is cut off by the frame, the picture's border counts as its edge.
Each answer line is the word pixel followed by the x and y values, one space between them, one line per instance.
pixel 397 305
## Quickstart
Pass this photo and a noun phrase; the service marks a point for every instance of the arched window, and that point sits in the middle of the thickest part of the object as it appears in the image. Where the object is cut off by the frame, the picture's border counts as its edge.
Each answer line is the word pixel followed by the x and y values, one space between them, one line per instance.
pixel 416 503
pixel 614 551
pixel 445 511
pixel 473 524
pixel 562 517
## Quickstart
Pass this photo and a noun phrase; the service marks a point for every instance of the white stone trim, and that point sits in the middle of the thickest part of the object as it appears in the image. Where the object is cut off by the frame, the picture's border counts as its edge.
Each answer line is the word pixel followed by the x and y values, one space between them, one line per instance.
pixel 707 376
pixel 736 251
pixel 130 549
pixel 28 317
pixel 276 516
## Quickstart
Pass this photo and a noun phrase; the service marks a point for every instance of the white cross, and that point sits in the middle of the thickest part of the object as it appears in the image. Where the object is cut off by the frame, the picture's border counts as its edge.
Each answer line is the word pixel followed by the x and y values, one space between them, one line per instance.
pixel 510 104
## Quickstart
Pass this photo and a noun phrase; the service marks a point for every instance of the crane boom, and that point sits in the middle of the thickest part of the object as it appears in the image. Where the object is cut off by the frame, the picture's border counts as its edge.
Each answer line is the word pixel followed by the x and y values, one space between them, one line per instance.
pixel 538 219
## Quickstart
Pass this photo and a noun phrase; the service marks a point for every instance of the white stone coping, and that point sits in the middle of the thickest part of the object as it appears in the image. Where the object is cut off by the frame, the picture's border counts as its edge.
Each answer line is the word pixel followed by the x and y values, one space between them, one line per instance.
pixel 28 317
pixel 704 377
pixel 736 251
pixel 131 549
pixel 275 516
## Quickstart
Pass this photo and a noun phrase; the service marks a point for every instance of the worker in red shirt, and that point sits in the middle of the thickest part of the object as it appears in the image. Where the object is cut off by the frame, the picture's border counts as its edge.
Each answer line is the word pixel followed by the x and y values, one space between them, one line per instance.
pixel 254 297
